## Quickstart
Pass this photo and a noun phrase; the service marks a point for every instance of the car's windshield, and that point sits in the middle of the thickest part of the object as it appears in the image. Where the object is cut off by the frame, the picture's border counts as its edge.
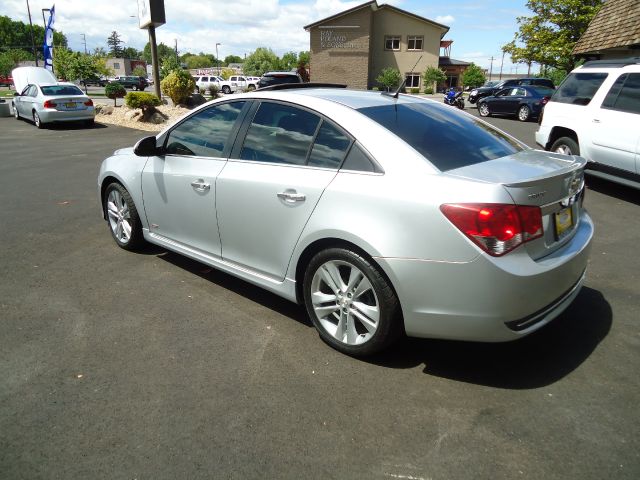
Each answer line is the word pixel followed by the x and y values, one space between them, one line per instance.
pixel 447 138
pixel 61 90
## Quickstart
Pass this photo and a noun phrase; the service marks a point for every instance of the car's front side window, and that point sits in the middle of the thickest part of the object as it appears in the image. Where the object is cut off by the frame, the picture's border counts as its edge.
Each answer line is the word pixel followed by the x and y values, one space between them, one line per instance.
pixel 205 134
pixel 280 134
pixel 624 94
pixel 579 88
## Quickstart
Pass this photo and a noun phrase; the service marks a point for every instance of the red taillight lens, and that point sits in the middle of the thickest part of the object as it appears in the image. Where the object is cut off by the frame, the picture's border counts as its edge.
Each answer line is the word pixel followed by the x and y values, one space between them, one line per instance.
pixel 89 103
pixel 50 104
pixel 496 228
pixel 545 100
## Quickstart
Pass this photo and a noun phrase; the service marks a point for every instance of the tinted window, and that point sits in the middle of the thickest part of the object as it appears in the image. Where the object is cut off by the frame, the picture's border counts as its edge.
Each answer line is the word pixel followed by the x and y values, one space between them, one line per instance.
pixel 278 79
pixel 329 148
pixel 280 134
pixel 358 160
pixel 543 91
pixel 447 138
pixel 61 90
pixel 624 94
pixel 579 88
pixel 205 134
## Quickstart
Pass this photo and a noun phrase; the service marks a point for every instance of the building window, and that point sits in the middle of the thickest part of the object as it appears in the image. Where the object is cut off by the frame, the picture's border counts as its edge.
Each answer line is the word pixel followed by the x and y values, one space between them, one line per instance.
pixel 414 43
pixel 391 42
pixel 116 65
pixel 413 80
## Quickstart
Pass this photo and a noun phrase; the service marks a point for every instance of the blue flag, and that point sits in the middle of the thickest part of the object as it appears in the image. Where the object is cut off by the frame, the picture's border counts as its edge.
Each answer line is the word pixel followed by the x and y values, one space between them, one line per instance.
pixel 48 41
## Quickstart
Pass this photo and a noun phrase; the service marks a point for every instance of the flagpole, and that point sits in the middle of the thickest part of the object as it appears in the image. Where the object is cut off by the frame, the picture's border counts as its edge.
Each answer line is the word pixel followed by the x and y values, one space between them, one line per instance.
pixel 33 42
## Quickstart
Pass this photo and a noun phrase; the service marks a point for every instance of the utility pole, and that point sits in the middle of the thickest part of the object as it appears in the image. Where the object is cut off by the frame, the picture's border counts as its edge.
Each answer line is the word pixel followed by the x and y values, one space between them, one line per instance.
pixel 84 39
pixel 33 42
pixel 178 61
pixel 218 58
pixel 491 67
pixel 501 64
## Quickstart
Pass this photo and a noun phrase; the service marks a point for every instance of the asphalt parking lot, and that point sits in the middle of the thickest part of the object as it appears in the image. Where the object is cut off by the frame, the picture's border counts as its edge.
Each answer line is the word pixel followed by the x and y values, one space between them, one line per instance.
pixel 152 366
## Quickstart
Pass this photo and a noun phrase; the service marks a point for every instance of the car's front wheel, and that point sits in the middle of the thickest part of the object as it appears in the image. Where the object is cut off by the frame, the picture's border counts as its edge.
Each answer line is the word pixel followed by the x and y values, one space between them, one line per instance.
pixel 350 302
pixel 226 90
pixel 124 222
pixel 524 113
pixel 483 109
pixel 566 146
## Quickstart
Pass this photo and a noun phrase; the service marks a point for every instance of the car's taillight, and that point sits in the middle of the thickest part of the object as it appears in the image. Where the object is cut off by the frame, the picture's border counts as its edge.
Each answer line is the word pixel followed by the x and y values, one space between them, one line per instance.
pixel 89 103
pixel 496 228
pixel 50 104
pixel 544 100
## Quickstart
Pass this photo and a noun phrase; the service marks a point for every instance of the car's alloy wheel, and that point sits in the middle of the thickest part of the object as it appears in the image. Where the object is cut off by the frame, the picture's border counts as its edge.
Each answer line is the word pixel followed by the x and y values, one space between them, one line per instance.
pixel 226 89
pixel 524 113
pixel 350 302
pixel 483 108
pixel 16 115
pixel 124 222
pixel 36 120
pixel 566 146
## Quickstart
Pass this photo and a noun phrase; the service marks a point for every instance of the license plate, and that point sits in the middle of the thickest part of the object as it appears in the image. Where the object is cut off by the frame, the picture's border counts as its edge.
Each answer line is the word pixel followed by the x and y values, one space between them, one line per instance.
pixel 564 221
pixel 70 105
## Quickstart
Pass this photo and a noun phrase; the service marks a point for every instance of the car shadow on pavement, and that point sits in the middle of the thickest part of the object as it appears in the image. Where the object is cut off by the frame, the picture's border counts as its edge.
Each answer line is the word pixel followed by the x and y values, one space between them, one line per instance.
pixel 73 126
pixel 535 361
pixel 245 289
pixel 611 189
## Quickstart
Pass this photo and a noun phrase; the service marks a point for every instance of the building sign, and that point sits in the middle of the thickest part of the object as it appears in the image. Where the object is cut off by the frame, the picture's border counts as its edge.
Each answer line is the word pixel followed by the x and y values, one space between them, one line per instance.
pixel 333 39
pixel 151 12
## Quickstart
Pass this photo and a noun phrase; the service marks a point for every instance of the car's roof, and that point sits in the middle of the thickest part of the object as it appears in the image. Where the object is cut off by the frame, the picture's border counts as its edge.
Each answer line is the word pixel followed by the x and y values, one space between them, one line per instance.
pixel 355 99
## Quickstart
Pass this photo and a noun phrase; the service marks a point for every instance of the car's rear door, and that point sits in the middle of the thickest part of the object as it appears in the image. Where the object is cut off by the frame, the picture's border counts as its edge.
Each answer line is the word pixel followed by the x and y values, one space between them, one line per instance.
pixel 271 184
pixel 178 187
pixel 615 125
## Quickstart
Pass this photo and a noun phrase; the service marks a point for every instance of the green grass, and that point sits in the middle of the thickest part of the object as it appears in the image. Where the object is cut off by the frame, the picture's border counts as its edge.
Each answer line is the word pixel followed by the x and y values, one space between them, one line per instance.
pixel 6 93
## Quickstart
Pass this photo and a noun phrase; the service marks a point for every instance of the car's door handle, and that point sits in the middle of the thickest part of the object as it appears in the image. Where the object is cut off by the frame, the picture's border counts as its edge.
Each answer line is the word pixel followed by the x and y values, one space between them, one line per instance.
pixel 200 185
pixel 291 196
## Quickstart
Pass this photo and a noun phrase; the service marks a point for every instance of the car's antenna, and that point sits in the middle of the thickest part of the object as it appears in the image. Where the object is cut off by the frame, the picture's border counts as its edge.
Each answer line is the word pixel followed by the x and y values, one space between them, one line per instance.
pixel 397 92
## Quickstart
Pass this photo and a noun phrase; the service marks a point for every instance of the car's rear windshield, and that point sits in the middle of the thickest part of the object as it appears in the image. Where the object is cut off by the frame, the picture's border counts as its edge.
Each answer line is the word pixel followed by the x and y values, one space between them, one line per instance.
pixel 278 79
pixel 579 88
pixel 543 91
pixel 447 138
pixel 61 90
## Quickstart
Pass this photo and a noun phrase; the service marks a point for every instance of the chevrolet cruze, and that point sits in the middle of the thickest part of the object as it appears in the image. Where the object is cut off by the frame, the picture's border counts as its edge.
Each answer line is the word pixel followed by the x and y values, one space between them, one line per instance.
pixel 385 215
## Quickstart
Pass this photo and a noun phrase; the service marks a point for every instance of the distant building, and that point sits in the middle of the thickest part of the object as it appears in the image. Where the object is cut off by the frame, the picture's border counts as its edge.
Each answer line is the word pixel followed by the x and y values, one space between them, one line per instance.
pixel 451 67
pixel 352 47
pixel 124 66
pixel 613 33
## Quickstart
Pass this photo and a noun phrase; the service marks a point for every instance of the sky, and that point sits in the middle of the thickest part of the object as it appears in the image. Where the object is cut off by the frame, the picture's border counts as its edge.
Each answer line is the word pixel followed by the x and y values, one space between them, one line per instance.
pixel 478 28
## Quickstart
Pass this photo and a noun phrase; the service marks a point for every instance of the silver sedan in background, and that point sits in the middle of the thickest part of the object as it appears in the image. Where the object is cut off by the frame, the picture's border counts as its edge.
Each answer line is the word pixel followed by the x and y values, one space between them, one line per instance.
pixel 383 214
pixel 49 103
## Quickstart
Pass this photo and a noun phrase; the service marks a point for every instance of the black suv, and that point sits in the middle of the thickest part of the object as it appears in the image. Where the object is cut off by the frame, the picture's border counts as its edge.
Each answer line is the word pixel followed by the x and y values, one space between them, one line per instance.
pixel 277 78
pixel 478 93
pixel 136 83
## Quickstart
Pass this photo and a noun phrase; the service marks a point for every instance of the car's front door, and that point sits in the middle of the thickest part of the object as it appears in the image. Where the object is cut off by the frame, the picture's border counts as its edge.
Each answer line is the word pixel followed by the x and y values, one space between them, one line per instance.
pixel 615 130
pixel 272 183
pixel 498 103
pixel 513 100
pixel 23 101
pixel 179 186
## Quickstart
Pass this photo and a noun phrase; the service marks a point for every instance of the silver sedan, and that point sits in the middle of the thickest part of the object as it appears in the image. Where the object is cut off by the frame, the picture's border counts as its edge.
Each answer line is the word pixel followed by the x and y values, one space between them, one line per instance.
pixel 49 103
pixel 384 215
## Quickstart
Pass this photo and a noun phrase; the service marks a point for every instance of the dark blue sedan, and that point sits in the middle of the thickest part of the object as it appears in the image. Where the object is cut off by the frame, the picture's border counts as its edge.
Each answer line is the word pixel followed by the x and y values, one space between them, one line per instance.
pixel 523 102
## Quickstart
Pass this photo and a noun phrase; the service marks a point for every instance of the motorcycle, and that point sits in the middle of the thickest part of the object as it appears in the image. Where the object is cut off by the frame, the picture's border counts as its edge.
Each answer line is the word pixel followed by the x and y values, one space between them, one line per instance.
pixel 454 98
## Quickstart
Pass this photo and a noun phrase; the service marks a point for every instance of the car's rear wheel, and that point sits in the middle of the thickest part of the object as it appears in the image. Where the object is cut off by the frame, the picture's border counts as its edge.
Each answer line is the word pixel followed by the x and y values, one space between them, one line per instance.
pixel 350 302
pixel 122 215
pixel 37 120
pixel 16 115
pixel 226 90
pixel 251 88
pixel 483 109
pixel 566 146
pixel 524 113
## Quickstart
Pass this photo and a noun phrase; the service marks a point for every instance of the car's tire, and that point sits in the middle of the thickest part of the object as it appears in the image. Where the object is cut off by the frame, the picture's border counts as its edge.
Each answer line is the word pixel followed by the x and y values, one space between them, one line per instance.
pixel 524 113
pixel 37 120
pixel 351 303
pixel 483 109
pixel 251 88
pixel 16 114
pixel 566 146
pixel 122 217
pixel 226 90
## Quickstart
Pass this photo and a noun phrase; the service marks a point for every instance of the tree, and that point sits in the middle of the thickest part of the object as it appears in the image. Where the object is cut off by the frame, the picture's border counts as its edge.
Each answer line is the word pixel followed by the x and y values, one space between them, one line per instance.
pixel 473 76
pixel 304 57
pixel 114 90
pixel 139 71
pixel 10 59
pixel 232 59
pixel 99 52
pixel 389 78
pixel 16 35
pixel 289 61
pixel 75 66
pixel 198 61
pixel 261 61
pixel 163 52
pixel 131 53
pixel 433 76
pixel 226 73
pixel 114 43
pixel 169 64
pixel 549 35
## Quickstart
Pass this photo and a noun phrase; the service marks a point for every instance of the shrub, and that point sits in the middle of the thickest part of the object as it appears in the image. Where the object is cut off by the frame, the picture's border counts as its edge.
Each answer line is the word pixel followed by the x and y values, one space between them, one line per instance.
pixel 144 101
pixel 414 90
pixel 178 85
pixel 226 73
pixel 214 91
pixel 389 78
pixel 114 90
pixel 428 90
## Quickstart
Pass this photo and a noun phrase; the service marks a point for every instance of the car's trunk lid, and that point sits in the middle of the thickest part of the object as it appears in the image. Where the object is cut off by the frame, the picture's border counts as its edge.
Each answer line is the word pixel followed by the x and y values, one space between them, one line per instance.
pixel 66 103
pixel 551 181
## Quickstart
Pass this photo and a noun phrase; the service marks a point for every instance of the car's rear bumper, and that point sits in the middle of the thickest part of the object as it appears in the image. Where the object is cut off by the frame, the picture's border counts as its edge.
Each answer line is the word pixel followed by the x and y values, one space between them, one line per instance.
pixel 51 115
pixel 490 299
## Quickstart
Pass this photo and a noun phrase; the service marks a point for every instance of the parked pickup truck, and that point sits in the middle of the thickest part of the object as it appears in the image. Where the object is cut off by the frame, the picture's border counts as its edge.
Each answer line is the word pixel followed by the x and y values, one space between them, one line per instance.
pixel 237 83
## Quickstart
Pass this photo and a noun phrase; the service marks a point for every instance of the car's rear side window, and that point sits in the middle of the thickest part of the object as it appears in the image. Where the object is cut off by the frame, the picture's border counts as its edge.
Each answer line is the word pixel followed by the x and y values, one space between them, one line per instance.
pixel 447 138
pixel 624 94
pixel 330 147
pixel 579 88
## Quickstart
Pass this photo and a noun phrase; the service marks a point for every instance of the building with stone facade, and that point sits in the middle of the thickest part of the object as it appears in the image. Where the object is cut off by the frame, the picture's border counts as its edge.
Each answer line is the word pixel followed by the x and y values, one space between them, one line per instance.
pixel 352 47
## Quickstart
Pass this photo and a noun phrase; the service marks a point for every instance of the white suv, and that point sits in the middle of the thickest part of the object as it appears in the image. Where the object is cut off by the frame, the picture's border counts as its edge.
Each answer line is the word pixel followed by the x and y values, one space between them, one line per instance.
pixel 595 113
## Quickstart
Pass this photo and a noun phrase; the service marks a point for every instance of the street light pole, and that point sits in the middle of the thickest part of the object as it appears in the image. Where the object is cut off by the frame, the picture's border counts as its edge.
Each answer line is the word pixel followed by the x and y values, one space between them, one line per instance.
pixel 218 58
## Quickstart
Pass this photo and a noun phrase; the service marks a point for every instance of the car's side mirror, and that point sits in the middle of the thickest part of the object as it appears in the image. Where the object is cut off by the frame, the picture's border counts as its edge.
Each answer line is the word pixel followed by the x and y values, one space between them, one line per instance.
pixel 147 147
pixel 16 94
